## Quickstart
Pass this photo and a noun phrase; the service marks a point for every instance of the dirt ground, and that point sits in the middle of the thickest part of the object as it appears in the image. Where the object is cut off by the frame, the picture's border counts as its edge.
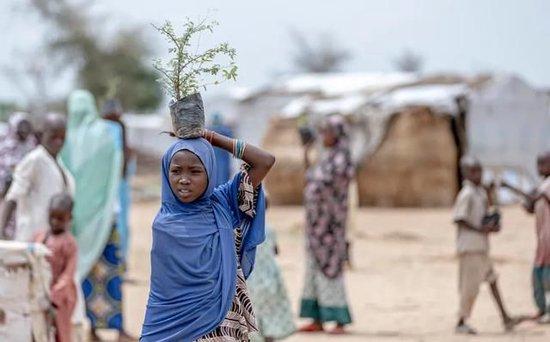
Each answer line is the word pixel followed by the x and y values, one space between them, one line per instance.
pixel 402 286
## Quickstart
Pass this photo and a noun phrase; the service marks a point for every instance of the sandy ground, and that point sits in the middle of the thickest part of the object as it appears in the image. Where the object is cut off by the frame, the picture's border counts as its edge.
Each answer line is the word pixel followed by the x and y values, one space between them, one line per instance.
pixel 403 283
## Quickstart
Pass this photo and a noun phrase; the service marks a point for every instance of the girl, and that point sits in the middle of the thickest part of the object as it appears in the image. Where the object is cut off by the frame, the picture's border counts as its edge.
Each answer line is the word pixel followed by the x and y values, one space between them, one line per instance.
pixel 204 243
pixel 326 197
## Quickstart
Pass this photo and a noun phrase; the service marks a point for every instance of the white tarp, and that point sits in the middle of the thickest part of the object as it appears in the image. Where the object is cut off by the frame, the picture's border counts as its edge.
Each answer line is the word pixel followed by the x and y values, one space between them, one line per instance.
pixel 344 105
pixel 336 84
pixel 508 124
pixel 24 291
pixel 441 98
pixel 145 132
pixel 288 97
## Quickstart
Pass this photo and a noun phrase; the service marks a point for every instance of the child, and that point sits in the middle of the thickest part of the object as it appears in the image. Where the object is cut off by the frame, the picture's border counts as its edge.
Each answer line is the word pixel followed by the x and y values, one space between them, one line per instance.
pixel 63 263
pixel 268 293
pixel 539 204
pixel 204 243
pixel 475 265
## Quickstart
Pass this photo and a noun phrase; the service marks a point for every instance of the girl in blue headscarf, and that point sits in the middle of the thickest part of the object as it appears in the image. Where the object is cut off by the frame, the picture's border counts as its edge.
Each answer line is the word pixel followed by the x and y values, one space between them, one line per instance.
pixel 204 243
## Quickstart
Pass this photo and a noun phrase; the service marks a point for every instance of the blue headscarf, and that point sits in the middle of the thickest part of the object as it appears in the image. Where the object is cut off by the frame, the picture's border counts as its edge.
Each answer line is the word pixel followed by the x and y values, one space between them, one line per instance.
pixel 193 259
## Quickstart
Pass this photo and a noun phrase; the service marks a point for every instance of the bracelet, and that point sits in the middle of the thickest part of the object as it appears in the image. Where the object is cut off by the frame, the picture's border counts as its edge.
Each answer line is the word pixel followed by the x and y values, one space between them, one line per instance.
pixel 209 135
pixel 239 147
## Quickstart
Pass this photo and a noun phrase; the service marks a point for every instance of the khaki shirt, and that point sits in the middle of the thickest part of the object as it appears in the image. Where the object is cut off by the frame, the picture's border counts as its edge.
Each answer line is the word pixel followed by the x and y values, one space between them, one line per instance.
pixel 471 206
pixel 37 178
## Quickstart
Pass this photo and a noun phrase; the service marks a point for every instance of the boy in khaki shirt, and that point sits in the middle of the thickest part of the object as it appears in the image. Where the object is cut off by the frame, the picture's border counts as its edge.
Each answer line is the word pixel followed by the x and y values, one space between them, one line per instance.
pixel 475 265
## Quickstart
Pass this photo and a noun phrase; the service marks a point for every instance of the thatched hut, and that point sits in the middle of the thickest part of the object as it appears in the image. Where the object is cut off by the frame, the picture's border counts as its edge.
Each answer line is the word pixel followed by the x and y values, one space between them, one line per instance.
pixel 285 182
pixel 416 163
pixel 407 143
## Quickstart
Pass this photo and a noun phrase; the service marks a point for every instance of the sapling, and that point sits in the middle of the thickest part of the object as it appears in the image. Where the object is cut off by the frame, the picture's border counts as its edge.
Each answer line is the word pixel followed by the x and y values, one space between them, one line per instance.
pixel 188 70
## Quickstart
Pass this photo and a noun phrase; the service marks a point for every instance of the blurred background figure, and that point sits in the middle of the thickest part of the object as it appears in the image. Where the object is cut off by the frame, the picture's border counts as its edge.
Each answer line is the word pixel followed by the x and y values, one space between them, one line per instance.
pixel 223 159
pixel 112 111
pixel 326 199
pixel 268 292
pixel 94 155
pixel 13 147
pixel 36 178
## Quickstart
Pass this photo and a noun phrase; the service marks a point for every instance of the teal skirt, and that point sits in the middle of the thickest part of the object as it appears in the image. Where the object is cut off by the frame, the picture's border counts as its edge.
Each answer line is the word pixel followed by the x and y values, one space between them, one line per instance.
pixel 541 288
pixel 323 299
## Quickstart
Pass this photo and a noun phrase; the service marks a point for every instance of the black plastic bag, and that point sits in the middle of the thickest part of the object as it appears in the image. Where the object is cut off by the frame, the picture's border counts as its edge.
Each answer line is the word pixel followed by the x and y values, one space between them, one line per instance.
pixel 307 134
pixel 188 116
pixel 493 219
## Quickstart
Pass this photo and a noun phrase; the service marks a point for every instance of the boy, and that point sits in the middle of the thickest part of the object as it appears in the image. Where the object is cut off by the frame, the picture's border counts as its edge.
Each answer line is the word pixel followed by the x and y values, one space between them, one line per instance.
pixel 475 266
pixel 539 204
pixel 36 179
pixel 63 259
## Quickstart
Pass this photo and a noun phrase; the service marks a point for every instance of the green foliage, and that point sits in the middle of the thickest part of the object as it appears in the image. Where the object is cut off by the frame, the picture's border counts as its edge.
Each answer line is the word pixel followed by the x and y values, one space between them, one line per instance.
pixel 122 60
pixel 6 108
pixel 187 71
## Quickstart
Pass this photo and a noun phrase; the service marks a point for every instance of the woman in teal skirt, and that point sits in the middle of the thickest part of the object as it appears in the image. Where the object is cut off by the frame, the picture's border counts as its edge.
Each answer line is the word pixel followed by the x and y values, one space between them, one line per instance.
pixel 326 195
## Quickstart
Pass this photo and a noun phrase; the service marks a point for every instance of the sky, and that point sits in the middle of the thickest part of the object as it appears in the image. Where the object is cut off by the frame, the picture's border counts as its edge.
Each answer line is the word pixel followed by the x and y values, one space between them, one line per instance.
pixel 464 36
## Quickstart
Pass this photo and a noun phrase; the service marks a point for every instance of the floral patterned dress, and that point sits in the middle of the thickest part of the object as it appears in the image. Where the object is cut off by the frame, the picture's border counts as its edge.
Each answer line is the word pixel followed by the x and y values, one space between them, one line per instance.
pixel 326 197
pixel 240 321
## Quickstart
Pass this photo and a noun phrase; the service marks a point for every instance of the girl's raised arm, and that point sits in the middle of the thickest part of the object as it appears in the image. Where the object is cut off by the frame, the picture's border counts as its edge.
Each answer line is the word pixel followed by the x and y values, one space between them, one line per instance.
pixel 260 161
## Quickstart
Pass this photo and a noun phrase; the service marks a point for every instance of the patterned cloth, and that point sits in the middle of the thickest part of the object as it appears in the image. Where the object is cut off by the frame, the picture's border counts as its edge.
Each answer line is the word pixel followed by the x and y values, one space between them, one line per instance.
pixel 103 288
pixel 326 202
pixel 268 293
pixel 12 150
pixel 323 298
pixel 240 321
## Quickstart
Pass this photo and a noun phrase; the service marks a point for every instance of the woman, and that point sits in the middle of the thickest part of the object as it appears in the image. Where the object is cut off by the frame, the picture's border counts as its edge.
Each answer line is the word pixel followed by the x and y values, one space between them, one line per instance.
pixel 112 111
pixel 326 197
pixel 204 243
pixel 14 146
pixel 93 154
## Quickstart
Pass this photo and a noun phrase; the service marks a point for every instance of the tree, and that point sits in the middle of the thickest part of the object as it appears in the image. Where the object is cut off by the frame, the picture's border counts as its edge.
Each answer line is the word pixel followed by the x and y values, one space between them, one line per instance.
pixel 408 61
pixel 32 77
pixel 321 57
pixel 123 59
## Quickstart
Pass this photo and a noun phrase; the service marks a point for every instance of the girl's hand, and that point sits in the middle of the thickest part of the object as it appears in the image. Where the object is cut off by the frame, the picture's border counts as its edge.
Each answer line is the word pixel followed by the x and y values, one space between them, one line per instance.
pixel 208 135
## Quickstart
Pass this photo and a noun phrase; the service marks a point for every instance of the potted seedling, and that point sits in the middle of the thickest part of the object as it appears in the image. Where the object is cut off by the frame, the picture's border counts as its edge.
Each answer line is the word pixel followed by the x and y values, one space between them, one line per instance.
pixel 189 70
